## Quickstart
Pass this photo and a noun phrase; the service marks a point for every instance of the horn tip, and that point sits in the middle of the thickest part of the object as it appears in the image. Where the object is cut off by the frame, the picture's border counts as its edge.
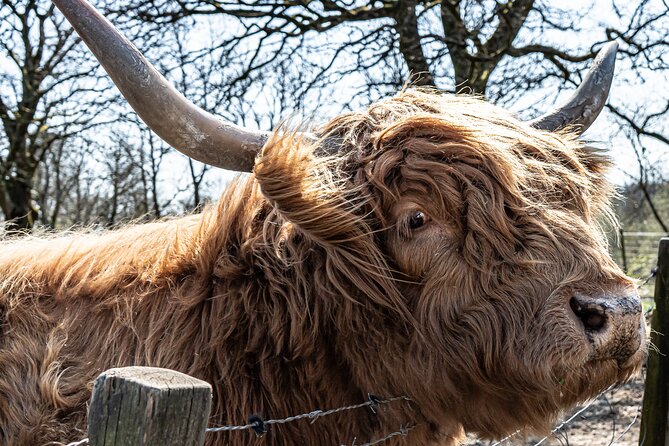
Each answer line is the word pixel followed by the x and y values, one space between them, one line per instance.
pixel 607 56
pixel 610 47
pixel 589 99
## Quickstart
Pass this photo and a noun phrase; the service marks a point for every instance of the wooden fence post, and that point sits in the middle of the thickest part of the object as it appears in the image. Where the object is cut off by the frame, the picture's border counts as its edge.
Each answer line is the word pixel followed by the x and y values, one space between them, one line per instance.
pixel 655 411
pixel 623 252
pixel 148 406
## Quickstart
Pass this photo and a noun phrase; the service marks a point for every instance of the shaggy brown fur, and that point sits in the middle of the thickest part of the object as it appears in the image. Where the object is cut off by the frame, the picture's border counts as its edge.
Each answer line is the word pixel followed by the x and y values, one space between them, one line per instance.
pixel 305 286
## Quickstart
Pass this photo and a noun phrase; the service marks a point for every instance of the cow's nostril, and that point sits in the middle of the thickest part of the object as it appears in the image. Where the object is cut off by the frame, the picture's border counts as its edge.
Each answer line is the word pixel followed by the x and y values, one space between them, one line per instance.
pixel 591 314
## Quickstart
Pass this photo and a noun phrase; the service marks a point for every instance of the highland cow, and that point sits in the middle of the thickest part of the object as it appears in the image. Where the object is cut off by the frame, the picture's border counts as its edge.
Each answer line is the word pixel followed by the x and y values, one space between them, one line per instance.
pixel 431 246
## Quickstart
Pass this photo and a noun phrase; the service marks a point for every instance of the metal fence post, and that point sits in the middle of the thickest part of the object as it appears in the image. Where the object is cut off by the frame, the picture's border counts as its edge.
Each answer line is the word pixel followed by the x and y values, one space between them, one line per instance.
pixel 655 411
pixel 142 406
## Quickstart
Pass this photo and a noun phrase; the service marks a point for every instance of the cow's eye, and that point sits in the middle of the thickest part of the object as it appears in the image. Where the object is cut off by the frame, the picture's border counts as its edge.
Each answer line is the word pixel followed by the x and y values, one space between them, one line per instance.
pixel 417 219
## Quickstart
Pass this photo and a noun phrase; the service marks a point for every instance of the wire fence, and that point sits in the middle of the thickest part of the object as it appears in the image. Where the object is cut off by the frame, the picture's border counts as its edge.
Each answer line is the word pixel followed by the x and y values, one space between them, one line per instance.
pixel 595 423
pixel 636 253
pixel 610 419
pixel 261 426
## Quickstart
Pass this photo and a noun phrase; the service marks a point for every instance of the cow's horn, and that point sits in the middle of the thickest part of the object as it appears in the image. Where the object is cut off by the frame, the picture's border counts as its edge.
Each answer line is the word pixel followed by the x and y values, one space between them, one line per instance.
pixel 582 108
pixel 180 123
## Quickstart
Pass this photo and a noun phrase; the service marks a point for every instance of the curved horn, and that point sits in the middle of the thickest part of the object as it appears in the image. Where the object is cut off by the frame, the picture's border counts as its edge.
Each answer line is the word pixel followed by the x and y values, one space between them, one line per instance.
pixel 180 123
pixel 584 106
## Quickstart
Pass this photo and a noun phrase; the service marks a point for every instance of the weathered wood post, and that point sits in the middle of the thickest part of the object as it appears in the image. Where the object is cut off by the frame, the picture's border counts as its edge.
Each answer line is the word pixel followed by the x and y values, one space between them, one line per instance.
pixel 655 411
pixel 148 406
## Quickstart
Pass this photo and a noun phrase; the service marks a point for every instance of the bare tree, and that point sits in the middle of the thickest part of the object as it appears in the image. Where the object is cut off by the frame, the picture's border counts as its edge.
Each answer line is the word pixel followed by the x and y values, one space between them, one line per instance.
pixel 452 44
pixel 44 76
pixel 258 62
pixel 307 52
pixel 643 116
pixel 641 130
pixel 54 182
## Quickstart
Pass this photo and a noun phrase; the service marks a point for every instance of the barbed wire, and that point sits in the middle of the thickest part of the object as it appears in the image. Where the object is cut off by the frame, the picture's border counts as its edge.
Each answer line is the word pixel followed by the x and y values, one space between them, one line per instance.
pixel 256 422
pixel 261 427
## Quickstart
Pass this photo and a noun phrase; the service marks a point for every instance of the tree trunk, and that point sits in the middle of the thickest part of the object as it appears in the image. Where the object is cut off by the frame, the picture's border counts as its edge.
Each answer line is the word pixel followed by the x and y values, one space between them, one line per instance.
pixel 406 25
pixel 197 182
pixel 472 70
pixel 19 208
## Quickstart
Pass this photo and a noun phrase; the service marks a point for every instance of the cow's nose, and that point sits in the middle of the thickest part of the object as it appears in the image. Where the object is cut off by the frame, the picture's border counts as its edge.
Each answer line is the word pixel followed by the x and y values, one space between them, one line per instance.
pixel 614 325
pixel 591 312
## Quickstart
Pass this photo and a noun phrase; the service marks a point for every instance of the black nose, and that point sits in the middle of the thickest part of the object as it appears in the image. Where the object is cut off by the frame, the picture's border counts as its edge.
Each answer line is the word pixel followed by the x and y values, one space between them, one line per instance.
pixel 591 313
pixel 612 323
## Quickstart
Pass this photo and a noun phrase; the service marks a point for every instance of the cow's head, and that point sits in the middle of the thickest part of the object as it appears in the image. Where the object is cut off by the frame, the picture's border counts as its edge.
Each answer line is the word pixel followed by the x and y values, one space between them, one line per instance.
pixel 483 230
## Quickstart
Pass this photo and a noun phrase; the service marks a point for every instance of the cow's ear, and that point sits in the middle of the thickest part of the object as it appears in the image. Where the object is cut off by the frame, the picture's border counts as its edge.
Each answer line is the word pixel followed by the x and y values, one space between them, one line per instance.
pixel 303 187
pixel 307 190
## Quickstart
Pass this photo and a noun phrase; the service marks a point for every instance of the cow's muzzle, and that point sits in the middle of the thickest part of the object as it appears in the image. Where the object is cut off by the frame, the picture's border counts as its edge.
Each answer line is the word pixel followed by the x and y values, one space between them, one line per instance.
pixel 614 325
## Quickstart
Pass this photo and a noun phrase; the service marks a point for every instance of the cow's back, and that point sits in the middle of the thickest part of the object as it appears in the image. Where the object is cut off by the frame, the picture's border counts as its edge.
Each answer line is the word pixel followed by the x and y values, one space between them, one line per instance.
pixel 72 306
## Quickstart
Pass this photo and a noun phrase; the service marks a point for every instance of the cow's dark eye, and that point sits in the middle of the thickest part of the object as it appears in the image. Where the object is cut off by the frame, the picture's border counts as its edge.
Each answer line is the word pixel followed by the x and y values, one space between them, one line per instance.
pixel 417 219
